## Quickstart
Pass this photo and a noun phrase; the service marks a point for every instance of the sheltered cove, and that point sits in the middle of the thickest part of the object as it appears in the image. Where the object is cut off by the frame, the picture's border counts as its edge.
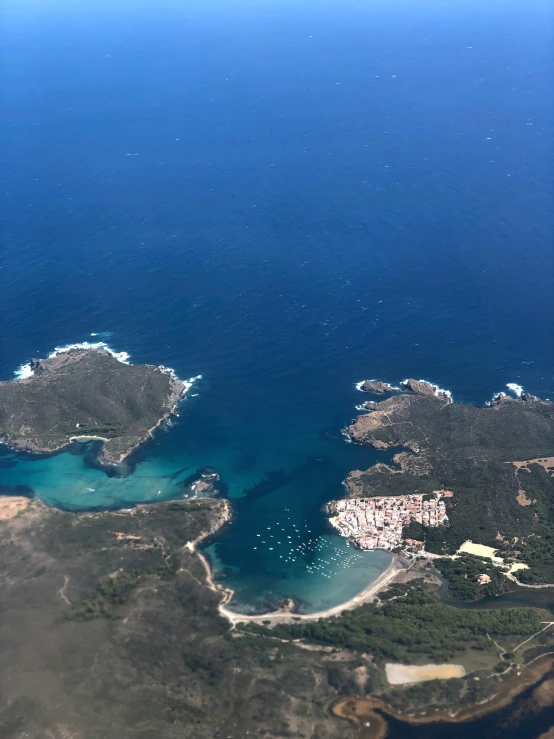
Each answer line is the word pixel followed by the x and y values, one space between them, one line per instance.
pixel 421 470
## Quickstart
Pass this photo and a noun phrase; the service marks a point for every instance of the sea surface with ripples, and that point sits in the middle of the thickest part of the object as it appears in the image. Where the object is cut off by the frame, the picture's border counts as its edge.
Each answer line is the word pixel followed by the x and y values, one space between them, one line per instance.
pixel 286 199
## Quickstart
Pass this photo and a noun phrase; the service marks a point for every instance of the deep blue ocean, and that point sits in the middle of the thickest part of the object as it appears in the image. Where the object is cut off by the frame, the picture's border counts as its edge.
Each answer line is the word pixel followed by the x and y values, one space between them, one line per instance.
pixel 285 198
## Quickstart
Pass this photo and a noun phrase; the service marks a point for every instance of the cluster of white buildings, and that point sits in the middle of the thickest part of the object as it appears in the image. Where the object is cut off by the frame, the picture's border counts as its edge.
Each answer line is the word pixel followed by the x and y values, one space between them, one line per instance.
pixel 376 523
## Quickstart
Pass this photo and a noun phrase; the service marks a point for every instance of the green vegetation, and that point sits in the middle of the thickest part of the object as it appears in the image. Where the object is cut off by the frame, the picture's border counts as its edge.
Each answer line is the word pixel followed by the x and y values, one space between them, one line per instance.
pixel 186 506
pixel 144 651
pixel 413 627
pixel 397 590
pixel 443 693
pixel 116 590
pixel 469 450
pixel 88 393
pixel 145 645
pixel 463 573
pixel 538 553
pixel 109 430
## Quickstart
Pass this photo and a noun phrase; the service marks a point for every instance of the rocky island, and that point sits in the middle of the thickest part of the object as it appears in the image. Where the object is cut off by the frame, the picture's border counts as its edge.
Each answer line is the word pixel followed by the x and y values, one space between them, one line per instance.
pixel 86 393
pixel 375 386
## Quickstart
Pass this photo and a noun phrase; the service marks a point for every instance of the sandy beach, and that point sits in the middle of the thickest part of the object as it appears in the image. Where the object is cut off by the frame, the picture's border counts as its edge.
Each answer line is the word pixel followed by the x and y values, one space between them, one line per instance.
pixel 285 616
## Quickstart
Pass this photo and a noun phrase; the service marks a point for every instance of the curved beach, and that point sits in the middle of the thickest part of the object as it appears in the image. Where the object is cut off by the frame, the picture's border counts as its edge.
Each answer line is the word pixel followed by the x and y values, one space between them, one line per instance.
pixel 284 616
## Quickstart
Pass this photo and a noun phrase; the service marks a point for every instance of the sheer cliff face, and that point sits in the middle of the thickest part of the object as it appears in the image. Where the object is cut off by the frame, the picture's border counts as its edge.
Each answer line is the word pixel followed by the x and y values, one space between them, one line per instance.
pixel 86 392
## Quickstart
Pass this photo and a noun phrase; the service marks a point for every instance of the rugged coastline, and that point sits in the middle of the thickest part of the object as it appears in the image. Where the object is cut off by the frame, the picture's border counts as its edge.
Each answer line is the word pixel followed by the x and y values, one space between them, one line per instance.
pixel 87 392
pixel 497 461
pixel 135 559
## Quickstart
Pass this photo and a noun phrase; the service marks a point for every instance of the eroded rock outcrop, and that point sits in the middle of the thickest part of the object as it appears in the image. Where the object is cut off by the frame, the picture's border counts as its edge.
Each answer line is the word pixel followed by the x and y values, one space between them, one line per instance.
pixel 377 387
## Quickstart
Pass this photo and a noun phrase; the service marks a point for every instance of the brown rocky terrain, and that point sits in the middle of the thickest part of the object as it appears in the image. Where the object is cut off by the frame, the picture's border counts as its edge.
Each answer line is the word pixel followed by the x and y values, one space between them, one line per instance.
pixel 109 630
pixel 86 393
pixel 376 386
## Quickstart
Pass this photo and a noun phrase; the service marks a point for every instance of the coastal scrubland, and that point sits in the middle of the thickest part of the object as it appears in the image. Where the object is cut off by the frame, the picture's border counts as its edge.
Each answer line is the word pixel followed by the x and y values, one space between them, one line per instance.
pixel 86 392
pixel 109 621
pixel 463 575
pixel 109 629
pixel 496 460
pixel 414 627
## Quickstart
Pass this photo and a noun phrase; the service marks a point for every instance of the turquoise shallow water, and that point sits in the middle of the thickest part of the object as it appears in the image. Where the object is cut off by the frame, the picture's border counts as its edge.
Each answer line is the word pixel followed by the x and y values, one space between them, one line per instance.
pixel 335 574
pixel 278 544
pixel 285 198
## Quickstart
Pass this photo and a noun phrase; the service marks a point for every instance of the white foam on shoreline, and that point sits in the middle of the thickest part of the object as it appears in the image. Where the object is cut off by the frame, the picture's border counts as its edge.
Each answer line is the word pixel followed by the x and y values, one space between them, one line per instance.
pixel 359 385
pixel 187 383
pixel 517 390
pixel 120 356
pixel 439 391
pixel 495 397
pixel 24 372
pixel 346 436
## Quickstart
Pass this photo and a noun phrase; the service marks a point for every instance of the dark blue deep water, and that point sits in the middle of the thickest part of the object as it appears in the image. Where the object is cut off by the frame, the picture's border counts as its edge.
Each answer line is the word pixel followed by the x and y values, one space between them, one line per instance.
pixel 285 198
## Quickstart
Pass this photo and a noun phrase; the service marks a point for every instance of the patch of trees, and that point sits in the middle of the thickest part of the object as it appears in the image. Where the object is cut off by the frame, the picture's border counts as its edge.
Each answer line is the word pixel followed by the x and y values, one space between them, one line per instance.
pixel 538 551
pixel 463 574
pixel 404 629
pixel 109 430
pixel 187 506
pixel 115 591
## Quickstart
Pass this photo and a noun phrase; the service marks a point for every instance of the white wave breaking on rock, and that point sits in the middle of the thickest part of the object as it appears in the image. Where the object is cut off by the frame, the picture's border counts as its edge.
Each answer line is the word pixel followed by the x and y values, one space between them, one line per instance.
pixel 517 390
pixel 123 357
pixel 439 391
pixel 189 383
pixel 24 372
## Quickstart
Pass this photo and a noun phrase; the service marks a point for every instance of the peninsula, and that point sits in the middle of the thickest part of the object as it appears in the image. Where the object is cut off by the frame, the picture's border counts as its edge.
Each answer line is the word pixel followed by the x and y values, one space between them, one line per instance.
pixel 495 463
pixel 86 393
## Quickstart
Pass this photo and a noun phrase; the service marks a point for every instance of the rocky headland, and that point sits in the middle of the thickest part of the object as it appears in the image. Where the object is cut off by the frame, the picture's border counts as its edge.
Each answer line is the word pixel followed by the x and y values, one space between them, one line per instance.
pixel 496 459
pixel 376 386
pixel 86 393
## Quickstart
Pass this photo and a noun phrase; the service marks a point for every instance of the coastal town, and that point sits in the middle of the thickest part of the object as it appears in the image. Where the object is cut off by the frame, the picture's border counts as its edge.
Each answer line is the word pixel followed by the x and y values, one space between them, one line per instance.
pixel 377 523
